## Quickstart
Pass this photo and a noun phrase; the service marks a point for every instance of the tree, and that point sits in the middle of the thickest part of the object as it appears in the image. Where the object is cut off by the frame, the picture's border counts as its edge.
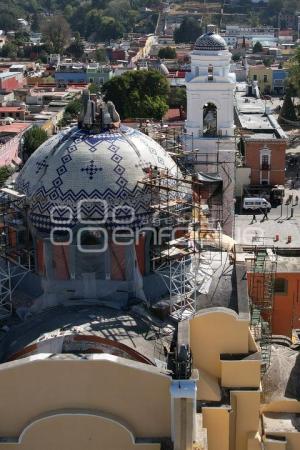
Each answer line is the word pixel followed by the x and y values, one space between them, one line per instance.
pixel 177 98
pixel 73 108
pixel 71 112
pixel 257 47
pixel 138 94
pixel 294 71
pixel 8 21
pixel 100 55
pixel 110 29
pixel 188 31
pixel 33 138
pixel 5 173
pixel 288 109
pixel 236 57
pixel 268 62
pixel 167 53
pixel 94 88
pixel 76 48
pixel 35 23
pixel 9 50
pixel 254 19
pixel 57 33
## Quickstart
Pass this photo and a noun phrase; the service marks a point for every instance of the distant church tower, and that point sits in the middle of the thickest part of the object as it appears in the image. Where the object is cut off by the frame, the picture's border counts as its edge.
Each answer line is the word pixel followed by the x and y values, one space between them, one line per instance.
pixel 209 134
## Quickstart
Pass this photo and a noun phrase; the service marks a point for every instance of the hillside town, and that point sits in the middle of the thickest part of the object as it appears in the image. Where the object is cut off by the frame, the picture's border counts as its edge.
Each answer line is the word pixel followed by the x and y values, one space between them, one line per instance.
pixel 149 225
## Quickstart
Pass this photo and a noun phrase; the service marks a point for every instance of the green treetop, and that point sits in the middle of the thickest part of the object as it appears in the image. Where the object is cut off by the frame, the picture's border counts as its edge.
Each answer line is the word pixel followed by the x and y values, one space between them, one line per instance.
pixel 139 93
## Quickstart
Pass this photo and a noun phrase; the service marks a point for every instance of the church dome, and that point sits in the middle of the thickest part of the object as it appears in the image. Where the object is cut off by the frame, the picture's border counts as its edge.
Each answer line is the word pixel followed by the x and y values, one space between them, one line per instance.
pixel 76 166
pixel 210 42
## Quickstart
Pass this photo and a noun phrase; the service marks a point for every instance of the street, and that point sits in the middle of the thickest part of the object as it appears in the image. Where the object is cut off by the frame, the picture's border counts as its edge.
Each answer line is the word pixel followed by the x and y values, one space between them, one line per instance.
pixel 283 222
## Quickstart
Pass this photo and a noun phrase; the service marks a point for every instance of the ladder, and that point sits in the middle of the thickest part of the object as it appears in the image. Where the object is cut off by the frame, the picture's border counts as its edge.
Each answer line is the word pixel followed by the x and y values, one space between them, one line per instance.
pixel 263 273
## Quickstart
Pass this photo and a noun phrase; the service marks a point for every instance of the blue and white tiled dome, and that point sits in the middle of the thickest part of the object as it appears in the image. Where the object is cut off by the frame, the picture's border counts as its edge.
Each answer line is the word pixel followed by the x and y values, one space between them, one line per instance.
pixel 76 166
pixel 210 42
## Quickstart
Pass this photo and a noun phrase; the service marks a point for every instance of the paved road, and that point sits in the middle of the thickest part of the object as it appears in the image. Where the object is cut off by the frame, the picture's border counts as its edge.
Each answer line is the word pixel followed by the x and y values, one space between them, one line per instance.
pixel 279 223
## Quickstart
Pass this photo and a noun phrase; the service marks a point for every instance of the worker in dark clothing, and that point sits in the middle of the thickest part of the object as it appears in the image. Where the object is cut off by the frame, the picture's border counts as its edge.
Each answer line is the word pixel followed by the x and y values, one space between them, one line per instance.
pixel 265 217
pixel 254 218
pixel 155 172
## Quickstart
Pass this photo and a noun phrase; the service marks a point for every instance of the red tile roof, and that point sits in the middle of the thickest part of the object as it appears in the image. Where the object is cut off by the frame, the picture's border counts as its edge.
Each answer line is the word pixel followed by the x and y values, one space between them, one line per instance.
pixel 15 127
pixel 11 109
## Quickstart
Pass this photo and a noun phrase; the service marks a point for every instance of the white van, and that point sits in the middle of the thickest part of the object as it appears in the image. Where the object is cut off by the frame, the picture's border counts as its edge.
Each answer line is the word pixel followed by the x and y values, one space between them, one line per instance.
pixel 254 203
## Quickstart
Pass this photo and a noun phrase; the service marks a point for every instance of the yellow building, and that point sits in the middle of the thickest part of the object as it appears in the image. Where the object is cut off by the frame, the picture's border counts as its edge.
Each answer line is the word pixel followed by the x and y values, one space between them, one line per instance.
pixel 263 76
pixel 85 377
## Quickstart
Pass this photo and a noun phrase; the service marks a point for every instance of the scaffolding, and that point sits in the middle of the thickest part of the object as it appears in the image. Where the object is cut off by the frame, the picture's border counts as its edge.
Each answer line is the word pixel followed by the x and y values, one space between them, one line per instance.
pixel 263 266
pixel 16 251
pixel 192 160
pixel 180 217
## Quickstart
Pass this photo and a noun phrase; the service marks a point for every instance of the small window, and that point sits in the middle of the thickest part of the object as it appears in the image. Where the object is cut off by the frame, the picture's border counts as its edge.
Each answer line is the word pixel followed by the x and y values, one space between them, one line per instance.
pixel 254 77
pixel 280 286
pixel 265 78
pixel 257 203
pixel 210 72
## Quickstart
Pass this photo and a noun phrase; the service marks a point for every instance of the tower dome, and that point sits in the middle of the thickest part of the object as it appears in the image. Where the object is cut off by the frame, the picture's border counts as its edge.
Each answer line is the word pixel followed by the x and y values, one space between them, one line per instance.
pixel 95 175
pixel 210 42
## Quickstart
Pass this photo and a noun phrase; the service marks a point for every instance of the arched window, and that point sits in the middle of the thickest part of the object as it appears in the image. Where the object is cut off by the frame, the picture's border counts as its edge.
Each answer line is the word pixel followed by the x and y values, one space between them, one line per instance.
pixel 210 120
pixel 210 72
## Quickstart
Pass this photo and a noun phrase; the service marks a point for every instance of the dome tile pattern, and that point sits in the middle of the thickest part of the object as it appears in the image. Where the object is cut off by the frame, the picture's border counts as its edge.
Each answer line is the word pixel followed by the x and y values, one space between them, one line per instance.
pixel 210 42
pixel 76 166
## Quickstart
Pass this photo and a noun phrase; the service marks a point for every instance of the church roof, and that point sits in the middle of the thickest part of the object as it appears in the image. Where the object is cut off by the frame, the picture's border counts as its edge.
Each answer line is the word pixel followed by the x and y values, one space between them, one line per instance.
pixel 211 42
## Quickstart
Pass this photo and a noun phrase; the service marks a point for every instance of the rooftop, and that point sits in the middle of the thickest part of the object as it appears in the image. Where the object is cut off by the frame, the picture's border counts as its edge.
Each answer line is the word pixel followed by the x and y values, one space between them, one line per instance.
pixel 288 264
pixel 136 328
pixel 283 375
pixel 275 423
pixel 255 122
pixel 15 127
pixel 8 74
pixel 254 114
pixel 12 108
pixel 260 136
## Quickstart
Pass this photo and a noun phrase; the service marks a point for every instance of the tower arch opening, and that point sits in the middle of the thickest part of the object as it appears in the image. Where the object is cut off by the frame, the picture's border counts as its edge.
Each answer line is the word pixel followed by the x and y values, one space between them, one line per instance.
pixel 210 120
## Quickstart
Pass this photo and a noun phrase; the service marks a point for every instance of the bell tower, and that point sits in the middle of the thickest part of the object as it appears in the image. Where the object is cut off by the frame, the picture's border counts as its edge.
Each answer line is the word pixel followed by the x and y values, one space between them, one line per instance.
pixel 210 89
pixel 209 135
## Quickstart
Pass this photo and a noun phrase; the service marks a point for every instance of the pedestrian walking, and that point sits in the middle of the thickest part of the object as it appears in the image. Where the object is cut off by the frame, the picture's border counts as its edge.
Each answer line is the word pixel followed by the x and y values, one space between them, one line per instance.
pixel 254 218
pixel 265 217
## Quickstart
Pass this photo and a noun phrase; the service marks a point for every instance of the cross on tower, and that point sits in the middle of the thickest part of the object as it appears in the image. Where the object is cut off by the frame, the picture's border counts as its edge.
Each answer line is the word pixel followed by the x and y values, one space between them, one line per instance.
pixel 91 169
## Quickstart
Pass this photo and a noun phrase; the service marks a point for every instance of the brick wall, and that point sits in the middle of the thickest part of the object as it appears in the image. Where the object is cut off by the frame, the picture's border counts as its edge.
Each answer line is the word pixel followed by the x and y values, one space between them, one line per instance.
pixel 276 173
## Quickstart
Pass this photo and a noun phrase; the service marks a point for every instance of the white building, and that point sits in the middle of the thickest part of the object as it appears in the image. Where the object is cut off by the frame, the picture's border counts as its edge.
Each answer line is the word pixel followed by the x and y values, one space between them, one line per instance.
pixel 210 116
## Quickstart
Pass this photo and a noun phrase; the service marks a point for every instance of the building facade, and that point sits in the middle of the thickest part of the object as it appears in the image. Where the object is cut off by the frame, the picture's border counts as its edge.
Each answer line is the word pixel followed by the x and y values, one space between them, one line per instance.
pixel 263 76
pixel 279 76
pixel 16 112
pixel 266 159
pixel 11 80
